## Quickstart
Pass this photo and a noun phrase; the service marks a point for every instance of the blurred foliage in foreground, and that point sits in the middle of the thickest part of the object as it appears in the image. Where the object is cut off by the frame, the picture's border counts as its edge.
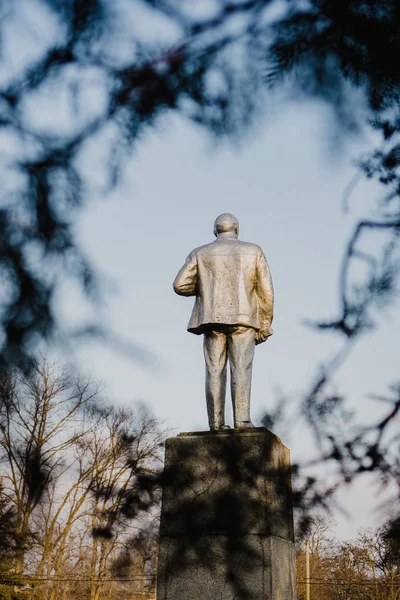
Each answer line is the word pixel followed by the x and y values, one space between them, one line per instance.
pixel 82 79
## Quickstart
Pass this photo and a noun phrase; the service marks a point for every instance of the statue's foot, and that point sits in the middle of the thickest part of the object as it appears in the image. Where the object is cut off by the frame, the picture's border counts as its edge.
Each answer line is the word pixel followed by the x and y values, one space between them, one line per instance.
pixel 244 425
pixel 219 428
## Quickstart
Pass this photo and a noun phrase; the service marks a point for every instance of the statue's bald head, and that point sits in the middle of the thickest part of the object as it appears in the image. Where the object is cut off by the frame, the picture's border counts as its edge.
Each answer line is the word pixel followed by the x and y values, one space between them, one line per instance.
pixel 226 223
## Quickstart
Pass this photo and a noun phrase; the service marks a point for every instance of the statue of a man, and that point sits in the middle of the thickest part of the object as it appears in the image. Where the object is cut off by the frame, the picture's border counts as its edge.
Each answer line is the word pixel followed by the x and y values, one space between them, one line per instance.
pixel 233 309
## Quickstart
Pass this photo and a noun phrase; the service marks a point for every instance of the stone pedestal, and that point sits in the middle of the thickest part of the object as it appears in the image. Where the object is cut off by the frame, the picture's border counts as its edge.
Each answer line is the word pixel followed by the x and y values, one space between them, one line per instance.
pixel 227 521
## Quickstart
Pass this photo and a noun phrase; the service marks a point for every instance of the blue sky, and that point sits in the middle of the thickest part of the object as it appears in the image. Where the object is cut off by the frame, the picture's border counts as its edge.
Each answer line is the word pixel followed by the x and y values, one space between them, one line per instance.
pixel 285 183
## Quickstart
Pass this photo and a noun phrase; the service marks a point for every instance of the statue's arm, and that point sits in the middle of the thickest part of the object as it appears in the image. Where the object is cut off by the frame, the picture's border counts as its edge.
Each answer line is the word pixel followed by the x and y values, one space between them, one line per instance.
pixel 185 283
pixel 265 296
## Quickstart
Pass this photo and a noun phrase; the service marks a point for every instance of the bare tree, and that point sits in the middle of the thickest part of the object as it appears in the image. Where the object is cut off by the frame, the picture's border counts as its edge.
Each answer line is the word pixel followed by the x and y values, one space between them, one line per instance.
pixel 362 569
pixel 81 480
pixel 39 425
pixel 322 545
pixel 123 452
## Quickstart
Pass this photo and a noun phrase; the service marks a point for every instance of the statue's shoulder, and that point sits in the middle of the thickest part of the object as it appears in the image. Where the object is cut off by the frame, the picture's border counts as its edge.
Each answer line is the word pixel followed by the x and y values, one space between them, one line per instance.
pixel 216 247
pixel 250 248
pixel 205 249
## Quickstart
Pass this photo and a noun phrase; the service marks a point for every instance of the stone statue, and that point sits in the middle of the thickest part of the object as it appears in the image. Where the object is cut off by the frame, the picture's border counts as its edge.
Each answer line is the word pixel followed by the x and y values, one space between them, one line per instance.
pixel 233 309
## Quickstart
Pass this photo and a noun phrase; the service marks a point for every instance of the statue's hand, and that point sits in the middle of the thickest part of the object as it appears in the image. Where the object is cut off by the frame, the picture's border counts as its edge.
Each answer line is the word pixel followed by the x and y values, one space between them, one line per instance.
pixel 263 334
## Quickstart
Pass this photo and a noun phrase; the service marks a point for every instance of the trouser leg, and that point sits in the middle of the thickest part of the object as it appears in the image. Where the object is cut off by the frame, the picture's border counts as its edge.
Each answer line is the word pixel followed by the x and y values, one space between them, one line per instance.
pixel 215 354
pixel 241 346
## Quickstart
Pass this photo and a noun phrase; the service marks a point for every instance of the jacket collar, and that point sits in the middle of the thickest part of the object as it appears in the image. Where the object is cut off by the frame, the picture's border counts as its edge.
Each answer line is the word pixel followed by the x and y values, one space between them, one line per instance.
pixel 228 235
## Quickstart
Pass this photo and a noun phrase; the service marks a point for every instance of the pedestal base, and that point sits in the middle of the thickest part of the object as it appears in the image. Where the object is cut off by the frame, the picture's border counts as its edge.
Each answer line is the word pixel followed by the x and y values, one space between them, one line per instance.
pixel 226 522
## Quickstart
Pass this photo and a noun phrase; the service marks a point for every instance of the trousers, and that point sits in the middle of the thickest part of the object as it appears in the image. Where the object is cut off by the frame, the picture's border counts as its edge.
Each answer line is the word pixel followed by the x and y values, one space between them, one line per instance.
pixel 236 343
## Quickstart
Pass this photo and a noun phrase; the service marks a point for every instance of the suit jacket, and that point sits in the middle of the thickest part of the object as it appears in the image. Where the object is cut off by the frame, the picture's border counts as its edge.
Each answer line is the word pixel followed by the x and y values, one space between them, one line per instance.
pixel 232 285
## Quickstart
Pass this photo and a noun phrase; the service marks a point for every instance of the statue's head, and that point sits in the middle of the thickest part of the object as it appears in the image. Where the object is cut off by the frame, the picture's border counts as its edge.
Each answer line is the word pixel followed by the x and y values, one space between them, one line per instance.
pixel 226 223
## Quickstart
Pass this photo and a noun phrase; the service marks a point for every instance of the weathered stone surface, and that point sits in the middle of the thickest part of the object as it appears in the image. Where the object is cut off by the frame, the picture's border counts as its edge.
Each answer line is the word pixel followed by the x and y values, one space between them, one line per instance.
pixel 228 483
pixel 226 522
pixel 217 567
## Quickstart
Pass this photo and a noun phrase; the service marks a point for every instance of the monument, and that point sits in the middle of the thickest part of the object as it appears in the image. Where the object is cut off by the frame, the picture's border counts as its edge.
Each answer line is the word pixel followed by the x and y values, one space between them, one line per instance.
pixel 233 309
pixel 226 527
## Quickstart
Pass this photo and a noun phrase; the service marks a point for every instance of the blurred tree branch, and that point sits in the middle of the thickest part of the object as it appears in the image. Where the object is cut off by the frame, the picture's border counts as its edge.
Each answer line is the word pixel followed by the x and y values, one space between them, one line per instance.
pixel 213 69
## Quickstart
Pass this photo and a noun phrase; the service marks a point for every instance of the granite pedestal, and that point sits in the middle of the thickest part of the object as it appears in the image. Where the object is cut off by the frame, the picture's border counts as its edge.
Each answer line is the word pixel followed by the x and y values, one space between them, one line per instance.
pixel 227 523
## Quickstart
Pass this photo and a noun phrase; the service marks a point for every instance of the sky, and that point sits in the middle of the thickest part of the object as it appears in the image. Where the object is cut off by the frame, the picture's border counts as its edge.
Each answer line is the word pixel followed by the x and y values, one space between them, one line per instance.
pixel 284 181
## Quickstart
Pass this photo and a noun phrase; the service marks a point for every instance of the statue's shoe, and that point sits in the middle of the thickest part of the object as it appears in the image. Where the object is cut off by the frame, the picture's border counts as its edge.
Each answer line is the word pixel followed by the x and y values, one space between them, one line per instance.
pixel 244 425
